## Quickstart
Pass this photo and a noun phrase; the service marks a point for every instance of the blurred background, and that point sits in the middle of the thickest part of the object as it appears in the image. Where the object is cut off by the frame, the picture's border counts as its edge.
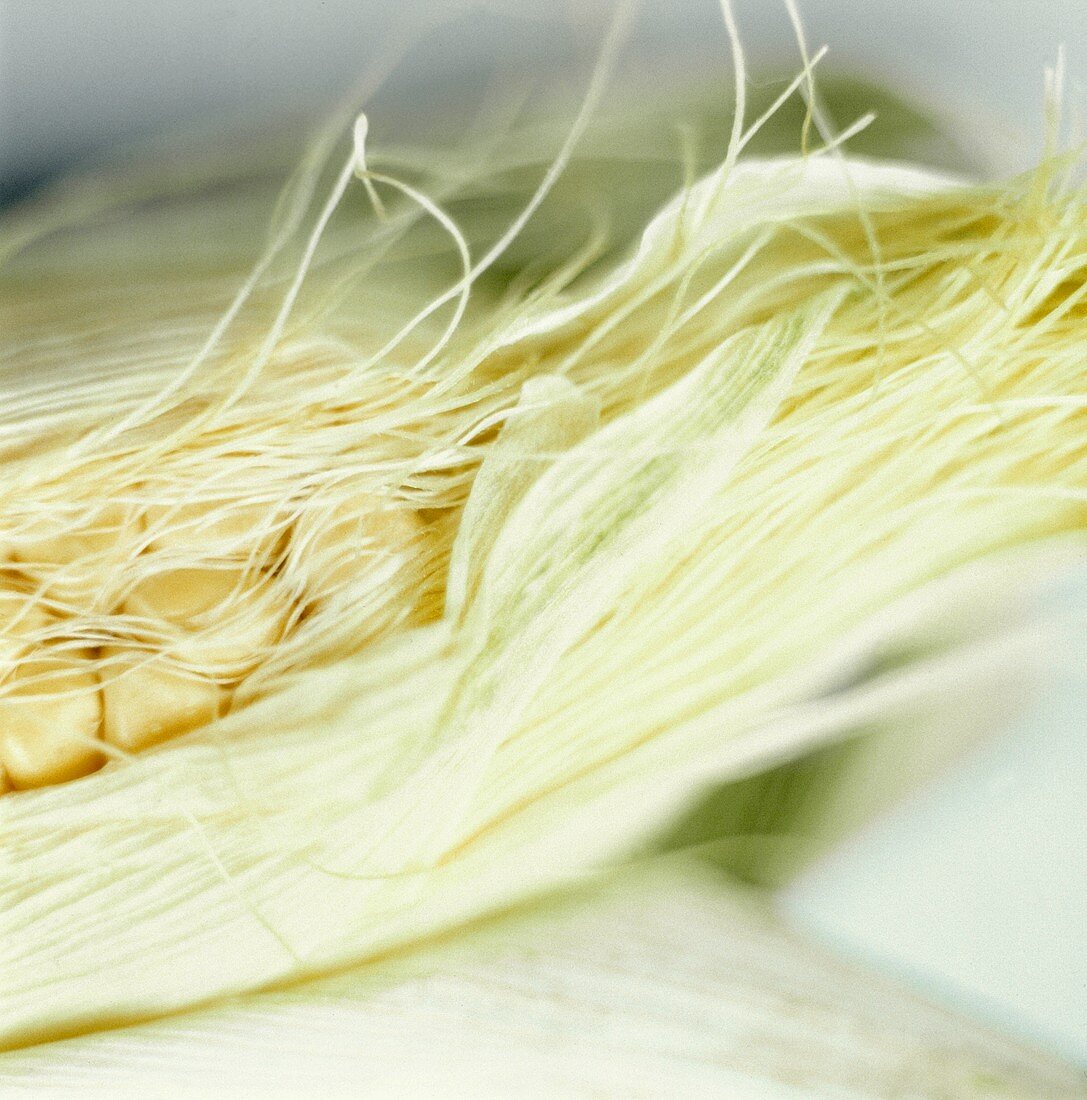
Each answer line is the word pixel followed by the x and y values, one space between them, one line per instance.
pixel 77 78
pixel 975 887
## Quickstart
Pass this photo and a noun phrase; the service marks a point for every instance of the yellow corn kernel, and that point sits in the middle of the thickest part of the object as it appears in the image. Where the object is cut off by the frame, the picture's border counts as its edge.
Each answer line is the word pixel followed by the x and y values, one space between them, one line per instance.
pixel 71 560
pixel 20 620
pixel 145 701
pixel 60 543
pixel 349 546
pixel 49 722
pixel 184 595
pixel 232 532
pixel 220 623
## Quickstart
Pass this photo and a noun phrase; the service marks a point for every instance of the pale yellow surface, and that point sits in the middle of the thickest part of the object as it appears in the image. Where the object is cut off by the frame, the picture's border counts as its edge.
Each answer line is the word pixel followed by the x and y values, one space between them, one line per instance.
pixel 19 622
pixel 48 725
pixel 342 545
pixel 224 623
pixel 145 702
pixel 228 529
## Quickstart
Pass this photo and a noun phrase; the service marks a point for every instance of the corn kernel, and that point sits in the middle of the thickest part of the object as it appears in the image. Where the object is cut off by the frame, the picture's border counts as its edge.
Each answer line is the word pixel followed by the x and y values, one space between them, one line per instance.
pixel 145 701
pixel 220 623
pixel 71 561
pixel 49 722
pixel 215 530
pixel 20 620
pixel 345 546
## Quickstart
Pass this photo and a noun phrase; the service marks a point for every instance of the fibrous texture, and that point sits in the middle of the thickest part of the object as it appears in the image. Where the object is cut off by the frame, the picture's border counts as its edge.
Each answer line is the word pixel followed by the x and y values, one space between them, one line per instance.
pixel 453 609
pixel 658 983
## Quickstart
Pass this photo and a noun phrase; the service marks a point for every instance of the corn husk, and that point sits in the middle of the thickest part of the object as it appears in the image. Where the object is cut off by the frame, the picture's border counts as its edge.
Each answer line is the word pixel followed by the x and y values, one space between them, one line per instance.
pixel 627 533
pixel 654 982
